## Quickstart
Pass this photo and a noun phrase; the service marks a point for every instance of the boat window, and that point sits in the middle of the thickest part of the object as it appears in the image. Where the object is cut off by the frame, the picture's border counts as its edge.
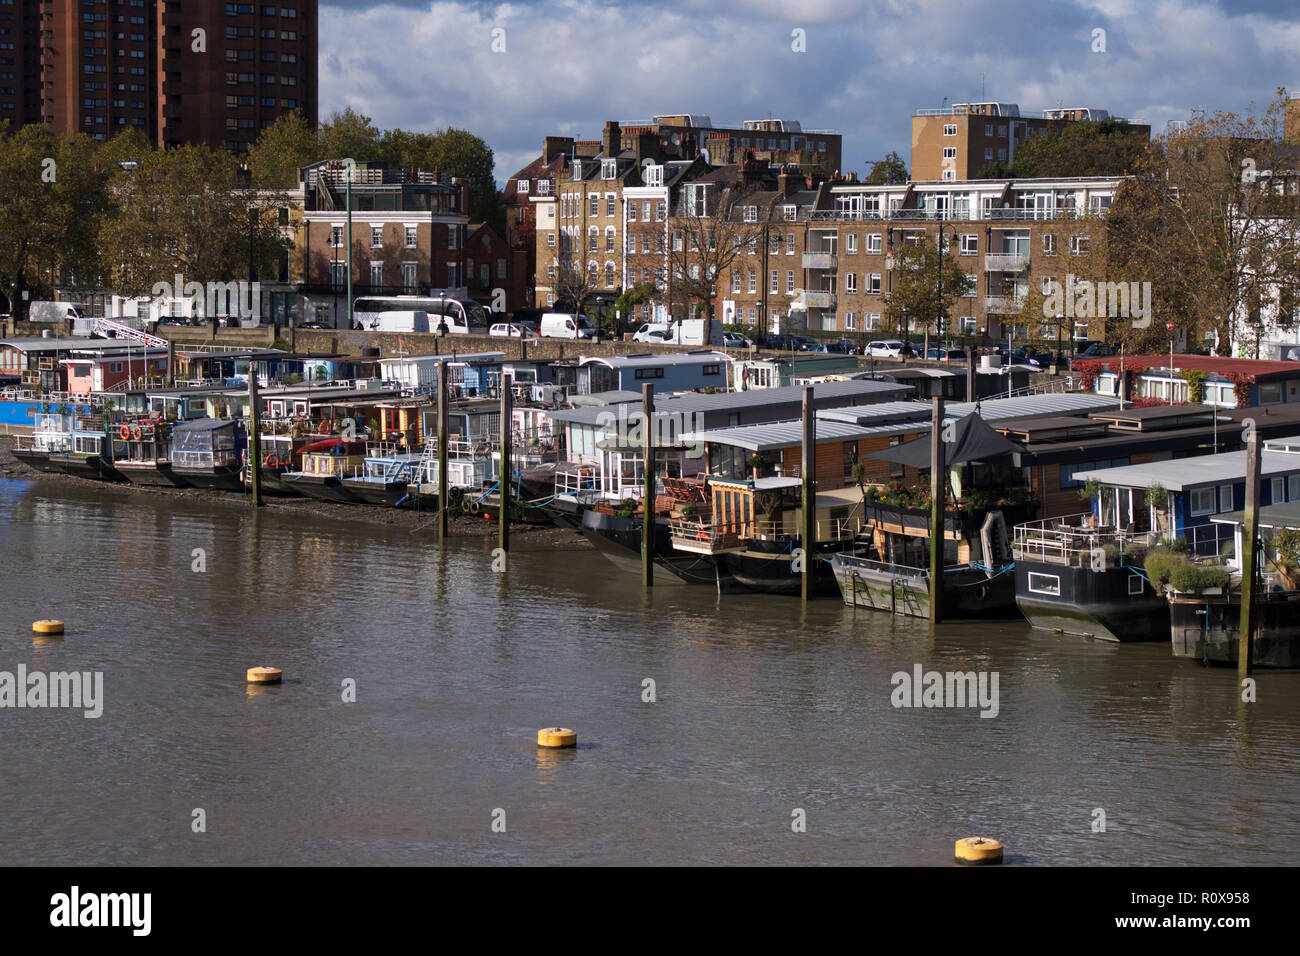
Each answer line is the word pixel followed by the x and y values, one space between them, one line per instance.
pixel 1202 501
pixel 1044 583
pixel 1135 584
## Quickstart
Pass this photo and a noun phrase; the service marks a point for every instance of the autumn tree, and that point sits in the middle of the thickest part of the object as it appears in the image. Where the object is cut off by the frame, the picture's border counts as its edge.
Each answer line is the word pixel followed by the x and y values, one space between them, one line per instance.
pixel 1211 222
pixel 282 150
pixel 916 302
pixel 1109 147
pixel 711 229
pixel 183 211
pixel 53 194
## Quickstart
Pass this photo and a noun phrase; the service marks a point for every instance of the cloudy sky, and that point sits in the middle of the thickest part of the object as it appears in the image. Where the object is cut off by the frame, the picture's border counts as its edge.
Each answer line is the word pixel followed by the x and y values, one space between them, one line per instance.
pixel 569 65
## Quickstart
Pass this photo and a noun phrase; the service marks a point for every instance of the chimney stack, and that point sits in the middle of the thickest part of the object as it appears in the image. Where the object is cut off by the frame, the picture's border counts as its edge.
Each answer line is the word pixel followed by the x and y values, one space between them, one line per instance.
pixel 611 140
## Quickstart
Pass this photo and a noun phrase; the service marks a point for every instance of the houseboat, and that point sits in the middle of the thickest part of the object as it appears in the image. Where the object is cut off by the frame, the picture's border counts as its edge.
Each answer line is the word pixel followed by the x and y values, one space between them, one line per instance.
pixel 209 453
pixel 141 451
pixel 51 435
pixel 325 464
pixel 387 480
pixel 87 454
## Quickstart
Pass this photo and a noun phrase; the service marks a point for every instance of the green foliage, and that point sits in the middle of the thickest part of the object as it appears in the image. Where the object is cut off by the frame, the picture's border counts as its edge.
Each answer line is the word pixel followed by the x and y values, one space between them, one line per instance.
pixel 890 171
pixel 1109 147
pixel 688 510
pixel 281 151
pixel 1160 563
pixel 1195 578
pixel 758 461
pixel 1157 495
pixel 915 301
pixel 1195 379
pixel 1090 489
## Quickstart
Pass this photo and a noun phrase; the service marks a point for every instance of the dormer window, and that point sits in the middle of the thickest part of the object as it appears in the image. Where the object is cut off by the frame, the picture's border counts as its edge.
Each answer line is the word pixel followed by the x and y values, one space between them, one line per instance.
pixel 791 213
pixel 654 175
pixel 608 168
pixel 577 169
pixel 521 186
pixel 751 214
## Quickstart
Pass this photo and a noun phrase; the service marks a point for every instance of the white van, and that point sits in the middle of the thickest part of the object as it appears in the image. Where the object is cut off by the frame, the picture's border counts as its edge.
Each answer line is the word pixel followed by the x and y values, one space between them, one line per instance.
pixel 47 311
pixel 398 322
pixel 565 325
pixel 651 332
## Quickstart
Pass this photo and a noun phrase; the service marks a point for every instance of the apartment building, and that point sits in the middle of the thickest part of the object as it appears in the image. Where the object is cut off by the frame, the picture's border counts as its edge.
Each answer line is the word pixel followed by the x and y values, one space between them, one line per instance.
pixel 409 231
pixel 1004 233
pixel 213 73
pixel 528 191
pixel 488 268
pixel 646 229
pixel 955 143
pixel 777 141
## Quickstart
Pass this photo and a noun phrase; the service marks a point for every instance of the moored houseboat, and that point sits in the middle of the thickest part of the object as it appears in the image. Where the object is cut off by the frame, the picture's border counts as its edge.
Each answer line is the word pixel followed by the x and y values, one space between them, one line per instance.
pixel 209 453
pixel 386 480
pixel 87 454
pixel 51 434
pixel 325 464
pixel 141 452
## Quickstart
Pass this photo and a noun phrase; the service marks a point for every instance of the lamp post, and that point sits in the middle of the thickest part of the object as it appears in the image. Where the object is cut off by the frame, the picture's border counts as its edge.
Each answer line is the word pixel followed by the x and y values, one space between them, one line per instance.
pixel 941 318
pixel 348 172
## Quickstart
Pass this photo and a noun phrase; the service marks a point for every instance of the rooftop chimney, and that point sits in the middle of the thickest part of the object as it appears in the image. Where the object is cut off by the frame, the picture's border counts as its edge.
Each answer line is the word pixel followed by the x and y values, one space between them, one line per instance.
pixel 611 140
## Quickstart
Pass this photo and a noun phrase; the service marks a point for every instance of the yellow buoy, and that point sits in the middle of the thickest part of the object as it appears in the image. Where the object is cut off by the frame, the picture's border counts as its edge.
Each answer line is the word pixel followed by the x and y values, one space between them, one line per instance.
pixel 264 675
pixel 978 851
pixel 557 737
pixel 47 627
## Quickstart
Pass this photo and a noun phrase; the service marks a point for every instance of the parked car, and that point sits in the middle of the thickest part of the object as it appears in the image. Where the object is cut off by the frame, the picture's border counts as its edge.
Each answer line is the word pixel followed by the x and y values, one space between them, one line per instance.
pixel 512 330
pixel 885 348
pixel 734 340
pixel 936 354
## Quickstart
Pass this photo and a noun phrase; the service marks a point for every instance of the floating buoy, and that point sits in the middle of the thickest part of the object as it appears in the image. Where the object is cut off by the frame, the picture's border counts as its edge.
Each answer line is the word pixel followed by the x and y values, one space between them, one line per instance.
pixel 264 675
pixel 978 851
pixel 47 627
pixel 557 737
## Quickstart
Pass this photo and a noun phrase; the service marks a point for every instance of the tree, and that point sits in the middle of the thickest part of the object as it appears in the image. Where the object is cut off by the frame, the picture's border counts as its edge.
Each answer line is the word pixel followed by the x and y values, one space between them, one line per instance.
pixel 631 297
pixel 916 300
pixel 281 151
pixel 456 152
pixel 52 196
pixel 1054 292
pixel 575 277
pixel 184 212
pixel 707 236
pixel 349 135
pixel 890 171
pixel 1109 147
pixel 1211 221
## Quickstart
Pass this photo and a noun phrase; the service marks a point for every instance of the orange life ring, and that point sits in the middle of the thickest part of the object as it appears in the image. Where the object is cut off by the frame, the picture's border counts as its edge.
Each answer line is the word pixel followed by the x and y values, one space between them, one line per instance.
pixel 702 536
pixel 137 432
pixel 324 428
pixel 124 432
pixel 272 460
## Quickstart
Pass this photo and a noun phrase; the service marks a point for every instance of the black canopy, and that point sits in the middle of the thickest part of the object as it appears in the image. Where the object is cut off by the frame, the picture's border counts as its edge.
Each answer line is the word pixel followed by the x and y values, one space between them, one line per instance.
pixel 973 440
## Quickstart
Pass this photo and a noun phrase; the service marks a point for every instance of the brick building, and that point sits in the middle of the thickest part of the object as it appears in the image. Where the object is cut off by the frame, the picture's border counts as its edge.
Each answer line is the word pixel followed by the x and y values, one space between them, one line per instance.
pixel 408 236
pixel 213 73
pixel 955 143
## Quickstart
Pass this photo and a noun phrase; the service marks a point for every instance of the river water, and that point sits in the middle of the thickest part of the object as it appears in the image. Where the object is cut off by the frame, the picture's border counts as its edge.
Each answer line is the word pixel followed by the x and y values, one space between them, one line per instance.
pixel 760 709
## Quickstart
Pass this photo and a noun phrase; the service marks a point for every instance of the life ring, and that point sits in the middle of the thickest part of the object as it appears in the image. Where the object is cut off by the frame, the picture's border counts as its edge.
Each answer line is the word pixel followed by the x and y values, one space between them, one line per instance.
pixel 272 460
pixel 137 432
pixel 324 428
pixel 474 506
pixel 702 536
pixel 124 432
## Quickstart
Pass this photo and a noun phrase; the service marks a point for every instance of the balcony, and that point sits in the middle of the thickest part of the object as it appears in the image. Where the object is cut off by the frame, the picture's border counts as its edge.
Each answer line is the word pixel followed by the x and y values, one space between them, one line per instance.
pixel 1005 262
pixel 1023 215
pixel 1000 304
pixel 814 300
pixel 820 260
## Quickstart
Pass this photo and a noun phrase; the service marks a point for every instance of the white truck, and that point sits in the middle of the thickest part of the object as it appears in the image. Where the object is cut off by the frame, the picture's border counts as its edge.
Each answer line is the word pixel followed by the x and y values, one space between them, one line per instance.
pixel 683 332
pixel 46 311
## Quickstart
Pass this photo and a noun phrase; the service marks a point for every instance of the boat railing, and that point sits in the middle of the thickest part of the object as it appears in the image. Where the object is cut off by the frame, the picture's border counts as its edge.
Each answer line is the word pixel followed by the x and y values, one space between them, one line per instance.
pixel 702 537
pixel 1062 541
pixel 872 565
pixel 838 529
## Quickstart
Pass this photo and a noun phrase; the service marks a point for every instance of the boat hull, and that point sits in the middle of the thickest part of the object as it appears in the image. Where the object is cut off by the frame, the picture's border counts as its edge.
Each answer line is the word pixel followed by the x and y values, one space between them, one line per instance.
pixel 37 460
pixel 223 478
pixel 619 539
pixel 1208 629
pixel 84 466
pixel 273 482
pixel 324 487
pixel 1094 604
pixel 967 592
pixel 152 474
pixel 386 494
pixel 768 568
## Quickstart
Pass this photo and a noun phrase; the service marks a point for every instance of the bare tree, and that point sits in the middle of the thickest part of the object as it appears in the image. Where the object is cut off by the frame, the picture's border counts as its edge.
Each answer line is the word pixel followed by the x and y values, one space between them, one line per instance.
pixel 712 228
pixel 576 276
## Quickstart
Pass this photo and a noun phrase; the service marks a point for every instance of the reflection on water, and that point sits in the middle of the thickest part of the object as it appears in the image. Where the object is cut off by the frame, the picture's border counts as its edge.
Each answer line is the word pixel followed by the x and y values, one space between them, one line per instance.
pixel 761 707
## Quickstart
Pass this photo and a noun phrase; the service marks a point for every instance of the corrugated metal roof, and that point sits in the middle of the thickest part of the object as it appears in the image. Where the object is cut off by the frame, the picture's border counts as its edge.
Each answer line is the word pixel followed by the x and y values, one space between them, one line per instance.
pixel 848 424
pixel 1283 515
pixel 688 403
pixel 1216 364
pixel 1179 474
pixel 669 358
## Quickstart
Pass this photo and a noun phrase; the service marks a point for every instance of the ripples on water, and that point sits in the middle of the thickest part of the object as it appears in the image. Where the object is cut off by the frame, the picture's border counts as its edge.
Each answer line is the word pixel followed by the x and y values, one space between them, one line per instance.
pixel 762 707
